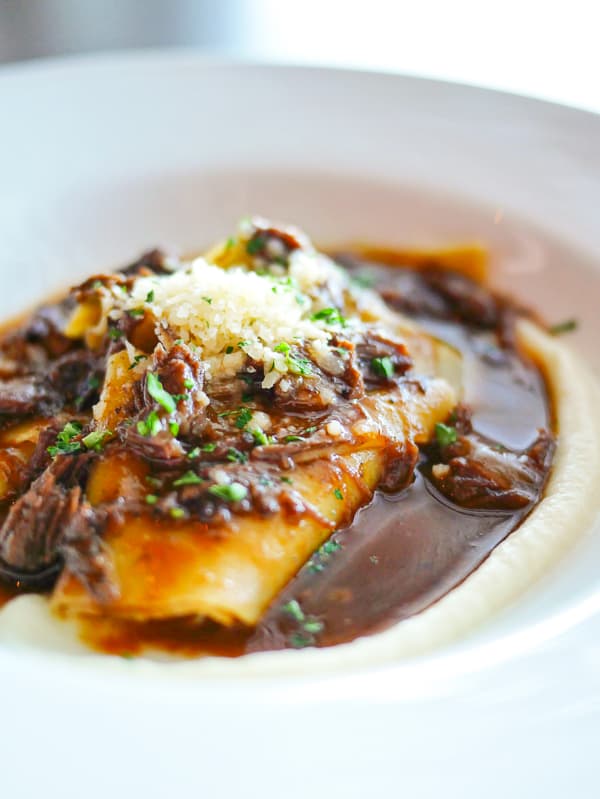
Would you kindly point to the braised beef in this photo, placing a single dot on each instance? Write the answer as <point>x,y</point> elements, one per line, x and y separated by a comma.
<point>30,534</point>
<point>181,373</point>
<point>155,262</point>
<point>475,473</point>
<point>381,360</point>
<point>21,396</point>
<point>77,377</point>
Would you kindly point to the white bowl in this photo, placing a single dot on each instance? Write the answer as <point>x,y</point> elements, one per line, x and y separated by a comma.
<point>104,157</point>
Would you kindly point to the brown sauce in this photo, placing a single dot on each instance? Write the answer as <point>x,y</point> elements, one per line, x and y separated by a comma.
<point>401,554</point>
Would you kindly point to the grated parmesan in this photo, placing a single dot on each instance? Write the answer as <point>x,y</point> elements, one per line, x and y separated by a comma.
<point>234,314</point>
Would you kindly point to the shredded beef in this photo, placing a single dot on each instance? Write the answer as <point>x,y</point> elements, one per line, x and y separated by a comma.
<point>151,262</point>
<point>77,376</point>
<point>182,375</point>
<point>371,349</point>
<point>31,531</point>
<point>474,473</point>
<point>21,396</point>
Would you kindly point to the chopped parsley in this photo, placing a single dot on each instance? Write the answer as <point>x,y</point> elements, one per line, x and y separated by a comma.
<point>95,440</point>
<point>188,383</point>
<point>364,281</point>
<point>229,350</point>
<point>383,367</point>
<point>298,366</point>
<point>210,447</point>
<point>208,300</point>
<point>188,479</point>
<point>564,327</point>
<point>299,641</point>
<point>244,415</point>
<point>194,453</point>
<point>235,456</point>
<point>151,499</point>
<point>158,393</point>
<point>319,560</point>
<point>115,333</point>
<point>338,494</point>
<point>177,513</point>
<point>313,626</point>
<point>230,492</point>
<point>136,360</point>
<point>293,609</point>
<point>259,437</point>
<point>230,243</point>
<point>255,245</point>
<point>150,296</point>
<point>150,426</point>
<point>445,435</point>
<point>287,480</point>
<point>329,315</point>
<point>136,313</point>
<point>282,347</point>
<point>94,382</point>
<point>65,445</point>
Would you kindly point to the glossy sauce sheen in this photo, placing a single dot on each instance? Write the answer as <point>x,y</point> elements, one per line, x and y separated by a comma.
<point>401,554</point>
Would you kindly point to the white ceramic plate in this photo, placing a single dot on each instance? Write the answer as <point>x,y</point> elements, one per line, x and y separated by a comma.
<point>101,158</point>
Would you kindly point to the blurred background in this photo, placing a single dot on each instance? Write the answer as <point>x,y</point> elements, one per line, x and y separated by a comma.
<point>547,48</point>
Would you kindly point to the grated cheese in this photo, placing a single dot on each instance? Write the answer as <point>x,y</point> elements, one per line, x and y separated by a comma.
<point>234,314</point>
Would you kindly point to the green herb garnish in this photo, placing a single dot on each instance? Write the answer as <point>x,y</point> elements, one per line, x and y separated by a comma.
<point>293,609</point>
<point>177,513</point>
<point>235,456</point>
<point>299,641</point>
<point>230,492</point>
<point>95,440</point>
<point>64,440</point>
<point>259,437</point>
<point>287,480</point>
<point>364,281</point>
<point>330,315</point>
<point>383,367</point>
<point>188,383</point>
<point>115,333</point>
<point>244,415</point>
<point>150,426</point>
<point>188,479</point>
<point>298,366</point>
<point>564,327</point>
<point>338,494</point>
<point>282,347</point>
<point>136,360</point>
<point>174,429</point>
<point>151,499</point>
<point>313,626</point>
<point>158,393</point>
<point>445,435</point>
<point>150,296</point>
<point>255,245</point>
<point>136,313</point>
